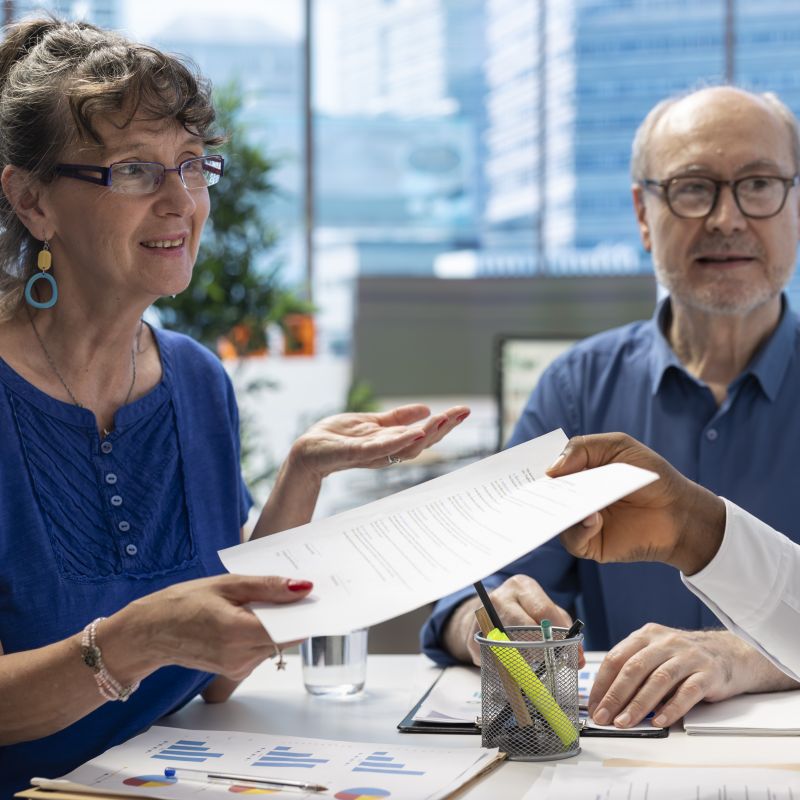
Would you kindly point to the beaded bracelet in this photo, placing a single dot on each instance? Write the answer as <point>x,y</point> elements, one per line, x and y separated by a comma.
<point>110,688</point>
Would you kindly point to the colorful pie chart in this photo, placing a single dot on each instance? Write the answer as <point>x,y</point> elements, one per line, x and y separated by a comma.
<point>361,793</point>
<point>237,789</point>
<point>150,780</point>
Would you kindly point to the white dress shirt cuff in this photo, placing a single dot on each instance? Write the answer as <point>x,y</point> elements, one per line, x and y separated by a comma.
<point>753,585</point>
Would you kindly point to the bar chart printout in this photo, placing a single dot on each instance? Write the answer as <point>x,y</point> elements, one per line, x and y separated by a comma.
<point>190,750</point>
<point>282,756</point>
<point>349,770</point>
<point>381,762</point>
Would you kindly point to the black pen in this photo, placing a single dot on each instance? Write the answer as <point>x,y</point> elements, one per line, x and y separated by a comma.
<point>574,629</point>
<point>487,604</point>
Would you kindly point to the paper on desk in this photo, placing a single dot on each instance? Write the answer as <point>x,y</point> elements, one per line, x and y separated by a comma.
<point>589,781</point>
<point>771,714</point>
<point>454,699</point>
<point>136,767</point>
<point>389,557</point>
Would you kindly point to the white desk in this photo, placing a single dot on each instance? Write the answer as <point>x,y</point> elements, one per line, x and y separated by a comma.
<point>276,702</point>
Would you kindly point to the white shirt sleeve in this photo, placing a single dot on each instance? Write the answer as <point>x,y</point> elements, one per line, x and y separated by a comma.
<point>753,585</point>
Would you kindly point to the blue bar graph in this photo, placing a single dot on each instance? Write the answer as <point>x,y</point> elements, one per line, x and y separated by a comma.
<point>282,756</point>
<point>380,762</point>
<point>187,750</point>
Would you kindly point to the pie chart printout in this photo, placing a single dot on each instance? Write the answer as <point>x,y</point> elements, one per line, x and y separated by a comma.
<point>150,780</point>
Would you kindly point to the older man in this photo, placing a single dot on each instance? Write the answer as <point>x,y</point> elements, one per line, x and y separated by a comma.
<point>711,383</point>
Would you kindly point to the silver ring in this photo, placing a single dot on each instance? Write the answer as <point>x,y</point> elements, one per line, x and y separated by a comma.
<point>393,460</point>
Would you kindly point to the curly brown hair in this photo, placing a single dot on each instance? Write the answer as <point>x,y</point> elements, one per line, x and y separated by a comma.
<point>56,78</point>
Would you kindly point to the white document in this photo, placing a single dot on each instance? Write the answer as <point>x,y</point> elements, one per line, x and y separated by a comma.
<point>586,678</point>
<point>398,553</point>
<point>349,770</point>
<point>455,697</point>
<point>769,714</point>
<point>593,781</point>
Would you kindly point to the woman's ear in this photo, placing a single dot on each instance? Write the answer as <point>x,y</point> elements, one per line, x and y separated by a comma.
<point>25,194</point>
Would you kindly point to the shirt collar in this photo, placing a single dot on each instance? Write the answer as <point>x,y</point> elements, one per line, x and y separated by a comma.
<point>768,366</point>
<point>663,356</point>
<point>770,363</point>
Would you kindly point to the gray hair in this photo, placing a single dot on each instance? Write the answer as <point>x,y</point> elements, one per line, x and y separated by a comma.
<point>641,141</point>
<point>56,78</point>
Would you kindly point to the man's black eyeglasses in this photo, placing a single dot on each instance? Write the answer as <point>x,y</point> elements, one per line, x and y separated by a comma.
<point>692,197</point>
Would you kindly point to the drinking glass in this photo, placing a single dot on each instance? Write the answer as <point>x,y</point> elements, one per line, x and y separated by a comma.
<point>335,665</point>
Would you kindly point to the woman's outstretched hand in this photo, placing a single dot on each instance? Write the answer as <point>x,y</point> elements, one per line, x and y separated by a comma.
<point>369,440</point>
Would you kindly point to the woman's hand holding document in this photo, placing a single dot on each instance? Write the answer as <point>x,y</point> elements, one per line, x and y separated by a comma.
<point>410,548</point>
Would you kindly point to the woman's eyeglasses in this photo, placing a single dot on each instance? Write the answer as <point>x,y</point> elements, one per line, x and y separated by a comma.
<point>145,177</point>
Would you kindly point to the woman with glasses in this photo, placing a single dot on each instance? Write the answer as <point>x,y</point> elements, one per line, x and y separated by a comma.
<point>119,475</point>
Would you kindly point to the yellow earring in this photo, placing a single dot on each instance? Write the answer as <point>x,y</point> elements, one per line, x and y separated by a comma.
<point>45,258</point>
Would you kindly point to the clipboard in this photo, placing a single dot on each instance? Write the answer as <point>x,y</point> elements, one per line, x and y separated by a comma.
<point>409,725</point>
<point>622,733</point>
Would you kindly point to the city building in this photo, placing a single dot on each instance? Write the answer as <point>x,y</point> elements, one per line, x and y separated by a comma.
<point>105,13</point>
<point>414,59</point>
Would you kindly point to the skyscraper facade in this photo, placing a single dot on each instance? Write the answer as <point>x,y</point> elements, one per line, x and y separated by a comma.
<point>411,58</point>
<point>415,59</point>
<point>105,13</point>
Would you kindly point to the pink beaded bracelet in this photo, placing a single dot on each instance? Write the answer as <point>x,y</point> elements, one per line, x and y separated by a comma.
<point>110,688</point>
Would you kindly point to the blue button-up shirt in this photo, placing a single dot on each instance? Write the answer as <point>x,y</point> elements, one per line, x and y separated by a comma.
<point>629,379</point>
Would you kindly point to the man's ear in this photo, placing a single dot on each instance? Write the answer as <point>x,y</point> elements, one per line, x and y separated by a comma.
<point>641,215</point>
<point>798,215</point>
<point>25,196</point>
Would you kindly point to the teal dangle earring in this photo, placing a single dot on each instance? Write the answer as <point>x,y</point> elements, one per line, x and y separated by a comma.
<point>44,261</point>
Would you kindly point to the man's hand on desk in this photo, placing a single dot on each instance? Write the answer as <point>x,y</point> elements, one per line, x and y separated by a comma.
<point>520,600</point>
<point>669,671</point>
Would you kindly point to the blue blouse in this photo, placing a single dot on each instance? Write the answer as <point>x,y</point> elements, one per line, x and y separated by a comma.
<point>629,379</point>
<point>88,525</point>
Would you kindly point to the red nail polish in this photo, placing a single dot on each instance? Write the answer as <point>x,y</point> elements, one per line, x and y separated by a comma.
<point>421,436</point>
<point>298,586</point>
<point>462,417</point>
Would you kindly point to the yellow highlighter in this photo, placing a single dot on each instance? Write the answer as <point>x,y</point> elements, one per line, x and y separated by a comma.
<point>534,689</point>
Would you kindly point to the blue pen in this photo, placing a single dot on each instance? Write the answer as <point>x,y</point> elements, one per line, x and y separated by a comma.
<point>201,776</point>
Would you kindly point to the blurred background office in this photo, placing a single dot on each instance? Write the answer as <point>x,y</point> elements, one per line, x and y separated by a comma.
<point>439,193</point>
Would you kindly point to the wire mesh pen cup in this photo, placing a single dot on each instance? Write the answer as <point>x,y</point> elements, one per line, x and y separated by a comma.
<point>529,694</point>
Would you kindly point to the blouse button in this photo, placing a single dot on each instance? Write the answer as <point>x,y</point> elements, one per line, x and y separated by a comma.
<point>124,526</point>
<point>111,478</point>
<point>131,549</point>
<point>116,500</point>
<point>106,447</point>
<point>711,434</point>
